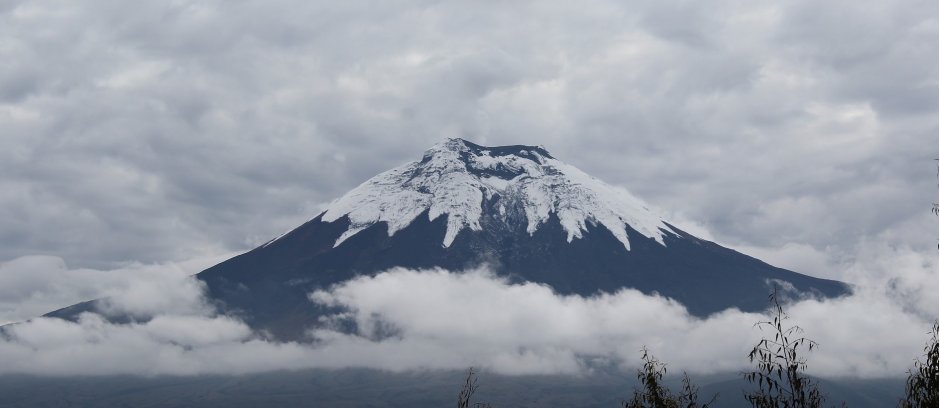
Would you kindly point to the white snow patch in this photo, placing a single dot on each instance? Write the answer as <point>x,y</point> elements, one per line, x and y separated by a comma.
<point>454,180</point>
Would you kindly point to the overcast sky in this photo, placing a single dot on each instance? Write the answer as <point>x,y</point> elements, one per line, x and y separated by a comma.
<point>162,131</point>
<point>169,134</point>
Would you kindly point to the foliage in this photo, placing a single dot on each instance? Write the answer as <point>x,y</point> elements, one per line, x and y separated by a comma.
<point>780,370</point>
<point>923,381</point>
<point>655,394</point>
<point>469,387</point>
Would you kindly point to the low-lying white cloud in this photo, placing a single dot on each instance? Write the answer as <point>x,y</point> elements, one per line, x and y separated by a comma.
<point>31,286</point>
<point>165,345</point>
<point>438,319</point>
<point>519,328</point>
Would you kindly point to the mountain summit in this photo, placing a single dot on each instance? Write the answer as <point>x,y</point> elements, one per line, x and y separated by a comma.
<point>525,184</point>
<point>516,209</point>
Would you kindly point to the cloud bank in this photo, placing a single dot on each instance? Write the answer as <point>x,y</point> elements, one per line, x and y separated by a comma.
<point>171,130</point>
<point>437,319</point>
<point>31,286</point>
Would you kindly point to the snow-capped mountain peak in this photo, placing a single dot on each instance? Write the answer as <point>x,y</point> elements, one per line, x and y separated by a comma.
<point>457,178</point>
<point>508,208</point>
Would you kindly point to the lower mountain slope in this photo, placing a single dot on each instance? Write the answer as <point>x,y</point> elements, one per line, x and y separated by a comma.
<point>269,285</point>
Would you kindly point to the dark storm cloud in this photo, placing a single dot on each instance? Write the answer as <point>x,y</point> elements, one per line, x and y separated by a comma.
<point>162,131</point>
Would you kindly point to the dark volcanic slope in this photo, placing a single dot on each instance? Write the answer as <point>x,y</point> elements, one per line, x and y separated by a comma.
<point>517,209</point>
<point>269,285</point>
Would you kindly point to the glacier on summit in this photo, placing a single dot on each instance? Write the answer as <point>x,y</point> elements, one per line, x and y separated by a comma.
<point>456,178</point>
<point>514,210</point>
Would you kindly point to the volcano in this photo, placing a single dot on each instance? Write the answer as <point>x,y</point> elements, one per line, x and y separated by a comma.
<point>516,210</point>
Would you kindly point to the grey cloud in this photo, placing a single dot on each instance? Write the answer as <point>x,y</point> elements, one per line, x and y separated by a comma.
<point>160,132</point>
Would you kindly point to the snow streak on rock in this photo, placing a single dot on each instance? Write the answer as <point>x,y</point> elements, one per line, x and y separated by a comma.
<point>457,178</point>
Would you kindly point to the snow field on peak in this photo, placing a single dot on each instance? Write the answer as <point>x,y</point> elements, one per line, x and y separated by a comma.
<point>452,179</point>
